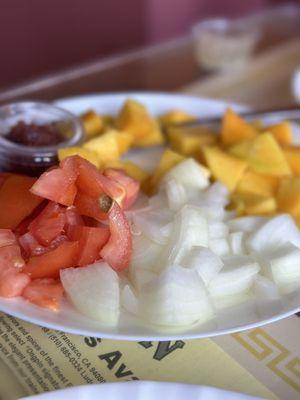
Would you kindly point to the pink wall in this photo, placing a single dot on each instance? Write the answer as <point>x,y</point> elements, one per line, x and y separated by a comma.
<point>41,36</point>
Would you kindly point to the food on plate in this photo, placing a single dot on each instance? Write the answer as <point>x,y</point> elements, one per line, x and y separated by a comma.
<point>208,234</point>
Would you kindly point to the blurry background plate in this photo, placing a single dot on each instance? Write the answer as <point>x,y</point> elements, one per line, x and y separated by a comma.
<point>229,320</point>
<point>141,391</point>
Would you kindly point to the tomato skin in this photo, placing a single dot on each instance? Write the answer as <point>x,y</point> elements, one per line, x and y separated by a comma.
<point>16,201</point>
<point>46,293</point>
<point>31,247</point>
<point>48,224</point>
<point>118,249</point>
<point>91,241</point>
<point>56,185</point>
<point>130,185</point>
<point>49,264</point>
<point>89,206</point>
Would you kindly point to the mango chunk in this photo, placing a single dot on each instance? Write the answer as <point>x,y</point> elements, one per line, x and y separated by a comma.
<point>175,117</point>
<point>252,182</point>
<point>188,141</point>
<point>105,146</point>
<point>282,132</point>
<point>155,137</point>
<point>292,155</point>
<point>224,167</point>
<point>168,160</point>
<point>130,168</point>
<point>93,124</point>
<point>125,141</point>
<point>288,196</point>
<point>135,119</point>
<point>235,130</point>
<point>251,204</point>
<point>264,155</point>
<point>89,155</point>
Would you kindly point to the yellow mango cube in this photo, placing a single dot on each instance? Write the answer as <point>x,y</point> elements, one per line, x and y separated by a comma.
<point>235,130</point>
<point>155,137</point>
<point>175,117</point>
<point>125,141</point>
<point>252,182</point>
<point>89,155</point>
<point>93,124</point>
<point>282,132</point>
<point>288,196</point>
<point>264,155</point>
<point>252,204</point>
<point>135,119</point>
<point>130,168</point>
<point>105,146</point>
<point>292,155</point>
<point>168,160</point>
<point>224,167</point>
<point>188,141</point>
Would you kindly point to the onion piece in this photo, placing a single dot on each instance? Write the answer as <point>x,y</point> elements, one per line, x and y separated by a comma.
<point>145,253</point>
<point>176,194</point>
<point>236,277</point>
<point>217,230</point>
<point>189,229</point>
<point>237,243</point>
<point>176,298</point>
<point>265,289</point>
<point>246,224</point>
<point>204,261</point>
<point>219,246</point>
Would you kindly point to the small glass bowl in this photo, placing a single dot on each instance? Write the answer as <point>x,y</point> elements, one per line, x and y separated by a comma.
<point>15,157</point>
<point>223,44</point>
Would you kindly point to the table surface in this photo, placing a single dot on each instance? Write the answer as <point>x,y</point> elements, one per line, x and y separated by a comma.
<point>163,67</point>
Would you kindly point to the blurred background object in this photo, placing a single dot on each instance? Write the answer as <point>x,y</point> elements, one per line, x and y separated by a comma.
<point>39,37</point>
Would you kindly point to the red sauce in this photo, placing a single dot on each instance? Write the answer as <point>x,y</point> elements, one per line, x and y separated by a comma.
<point>35,135</point>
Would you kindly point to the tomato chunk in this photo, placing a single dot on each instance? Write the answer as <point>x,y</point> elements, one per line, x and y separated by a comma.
<point>48,224</point>
<point>46,293</point>
<point>49,264</point>
<point>118,249</point>
<point>73,218</point>
<point>13,282</point>
<point>10,257</point>
<point>130,185</point>
<point>91,240</point>
<point>16,201</point>
<point>89,206</point>
<point>7,237</point>
<point>56,185</point>
<point>93,183</point>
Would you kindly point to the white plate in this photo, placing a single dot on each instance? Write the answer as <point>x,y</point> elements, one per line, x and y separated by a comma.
<point>231,320</point>
<point>142,390</point>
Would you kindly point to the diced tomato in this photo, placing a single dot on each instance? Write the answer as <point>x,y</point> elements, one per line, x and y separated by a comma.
<point>73,218</point>
<point>16,201</point>
<point>57,185</point>
<point>118,249</point>
<point>46,293</point>
<point>10,257</point>
<point>93,183</point>
<point>91,240</point>
<point>70,166</point>
<point>13,282</point>
<point>31,247</point>
<point>7,237</point>
<point>49,264</point>
<point>48,224</point>
<point>22,228</point>
<point>130,185</point>
<point>89,206</point>
<point>3,177</point>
